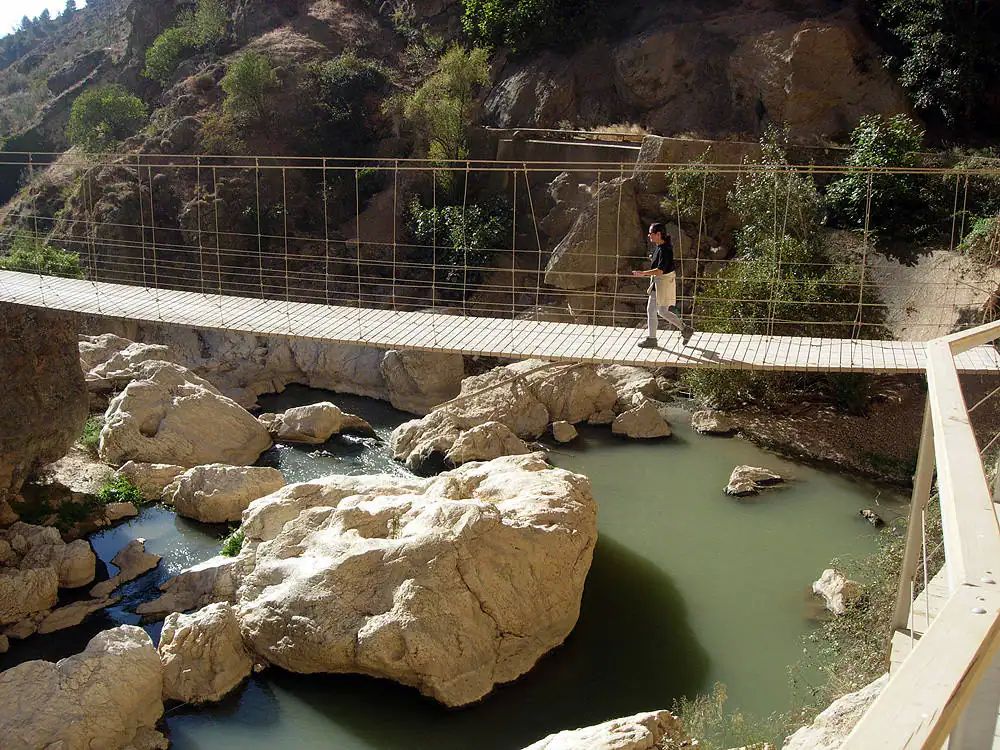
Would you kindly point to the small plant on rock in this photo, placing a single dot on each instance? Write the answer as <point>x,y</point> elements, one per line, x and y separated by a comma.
<point>91,434</point>
<point>119,490</point>
<point>233,543</point>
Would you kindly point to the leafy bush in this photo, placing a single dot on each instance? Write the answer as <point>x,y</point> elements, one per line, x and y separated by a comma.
<point>894,198</point>
<point>464,236</point>
<point>694,194</point>
<point>33,255</point>
<point>166,53</point>
<point>219,135</point>
<point>203,28</point>
<point>102,116</point>
<point>946,53</point>
<point>982,243</point>
<point>440,111</point>
<point>233,543</point>
<point>706,719</point>
<point>525,25</point>
<point>91,434</point>
<point>248,84</point>
<point>343,95</point>
<point>119,490</point>
<point>784,282</point>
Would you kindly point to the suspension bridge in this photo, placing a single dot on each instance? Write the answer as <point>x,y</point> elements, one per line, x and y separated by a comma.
<point>264,246</point>
<point>305,247</point>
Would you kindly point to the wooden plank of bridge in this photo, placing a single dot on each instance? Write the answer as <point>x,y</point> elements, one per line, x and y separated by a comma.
<point>516,339</point>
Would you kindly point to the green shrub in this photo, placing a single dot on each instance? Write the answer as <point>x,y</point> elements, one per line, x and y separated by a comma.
<point>440,111</point>
<point>31,254</point>
<point>103,116</point>
<point>946,53</point>
<point>693,193</point>
<point>343,94</point>
<point>894,198</point>
<point>208,23</point>
<point>526,25</point>
<point>465,236</point>
<point>248,84</point>
<point>233,543</point>
<point>203,28</point>
<point>91,434</point>
<point>119,490</point>
<point>784,282</point>
<point>706,719</point>
<point>166,53</point>
<point>982,243</point>
<point>219,135</point>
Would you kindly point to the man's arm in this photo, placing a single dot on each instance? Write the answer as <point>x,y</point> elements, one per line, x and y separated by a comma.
<point>651,272</point>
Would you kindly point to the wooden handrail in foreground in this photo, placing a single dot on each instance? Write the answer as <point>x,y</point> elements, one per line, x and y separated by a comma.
<point>924,702</point>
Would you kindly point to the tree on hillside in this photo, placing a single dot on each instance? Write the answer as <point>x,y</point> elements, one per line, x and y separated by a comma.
<point>945,52</point>
<point>70,8</point>
<point>102,116</point>
<point>44,18</point>
<point>441,110</point>
<point>248,84</point>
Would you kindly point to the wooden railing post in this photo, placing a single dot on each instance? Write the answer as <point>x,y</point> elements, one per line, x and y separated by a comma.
<point>922,481</point>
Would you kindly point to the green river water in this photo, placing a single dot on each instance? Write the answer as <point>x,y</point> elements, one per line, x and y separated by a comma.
<point>688,587</point>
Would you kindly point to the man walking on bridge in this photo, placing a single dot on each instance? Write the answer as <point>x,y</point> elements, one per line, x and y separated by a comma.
<point>662,287</point>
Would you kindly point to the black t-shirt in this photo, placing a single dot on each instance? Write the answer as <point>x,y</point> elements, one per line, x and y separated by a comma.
<point>662,257</point>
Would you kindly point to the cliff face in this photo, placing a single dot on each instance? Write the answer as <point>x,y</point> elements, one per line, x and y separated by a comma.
<point>44,404</point>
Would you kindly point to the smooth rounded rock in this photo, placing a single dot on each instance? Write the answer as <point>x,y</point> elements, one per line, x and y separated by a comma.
<point>217,493</point>
<point>203,655</point>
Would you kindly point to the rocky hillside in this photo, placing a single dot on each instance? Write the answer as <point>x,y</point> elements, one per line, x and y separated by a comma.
<point>718,69</point>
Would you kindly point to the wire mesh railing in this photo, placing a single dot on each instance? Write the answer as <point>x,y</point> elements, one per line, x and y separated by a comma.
<point>498,243</point>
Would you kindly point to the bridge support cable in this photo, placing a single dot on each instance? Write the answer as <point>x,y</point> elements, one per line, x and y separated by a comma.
<point>859,317</point>
<point>395,209</point>
<point>152,238</point>
<point>357,246</point>
<point>284,215</point>
<point>260,240</point>
<point>201,249</point>
<point>538,239</point>
<point>618,245</point>
<point>326,238</point>
<point>218,259</point>
<point>597,256</point>
<point>697,252</point>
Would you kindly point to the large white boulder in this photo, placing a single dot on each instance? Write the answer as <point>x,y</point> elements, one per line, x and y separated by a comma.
<point>418,381</point>
<point>104,697</point>
<point>216,493</point>
<point>834,724</point>
<point>170,415</point>
<point>452,585</point>
<point>203,655</point>
<point>313,423</point>
<point>837,590</point>
<point>484,443</point>
<point>640,732</point>
<point>571,393</point>
<point>643,421</point>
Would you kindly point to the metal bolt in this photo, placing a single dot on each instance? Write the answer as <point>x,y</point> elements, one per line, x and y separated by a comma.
<point>987,579</point>
<point>978,611</point>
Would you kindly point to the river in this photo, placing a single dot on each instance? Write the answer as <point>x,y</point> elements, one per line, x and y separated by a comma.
<point>688,587</point>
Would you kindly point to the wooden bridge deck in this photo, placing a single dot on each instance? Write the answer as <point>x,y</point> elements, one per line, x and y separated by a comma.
<point>494,337</point>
